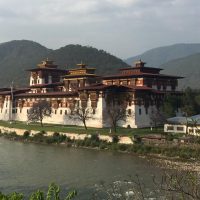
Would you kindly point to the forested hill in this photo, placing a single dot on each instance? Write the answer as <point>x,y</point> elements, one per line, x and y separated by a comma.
<point>188,67</point>
<point>16,57</point>
<point>19,55</point>
<point>158,56</point>
<point>71,55</point>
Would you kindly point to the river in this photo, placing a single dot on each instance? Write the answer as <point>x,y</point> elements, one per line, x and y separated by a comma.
<point>25,167</point>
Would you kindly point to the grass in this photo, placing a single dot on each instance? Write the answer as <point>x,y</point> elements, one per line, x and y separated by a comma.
<point>77,129</point>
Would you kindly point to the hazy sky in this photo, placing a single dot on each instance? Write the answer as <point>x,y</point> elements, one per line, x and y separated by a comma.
<point>121,27</point>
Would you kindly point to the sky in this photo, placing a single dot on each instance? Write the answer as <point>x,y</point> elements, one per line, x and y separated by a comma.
<point>123,28</point>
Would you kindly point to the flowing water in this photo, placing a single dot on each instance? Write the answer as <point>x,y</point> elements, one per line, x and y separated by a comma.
<point>25,167</point>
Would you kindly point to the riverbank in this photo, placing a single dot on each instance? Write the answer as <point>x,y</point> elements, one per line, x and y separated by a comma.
<point>171,156</point>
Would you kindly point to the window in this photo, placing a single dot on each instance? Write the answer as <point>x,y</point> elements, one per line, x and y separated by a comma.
<point>60,112</point>
<point>170,128</point>
<point>179,128</point>
<point>129,111</point>
<point>20,111</point>
<point>191,130</point>
<point>197,131</point>
<point>55,112</point>
<point>93,111</point>
<point>140,111</point>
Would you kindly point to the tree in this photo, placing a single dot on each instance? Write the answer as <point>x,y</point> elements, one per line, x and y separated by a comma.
<point>117,101</point>
<point>190,105</point>
<point>39,111</point>
<point>82,114</point>
<point>157,117</point>
<point>80,111</point>
<point>171,105</point>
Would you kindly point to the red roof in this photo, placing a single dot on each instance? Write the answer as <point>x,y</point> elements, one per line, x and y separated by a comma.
<point>148,68</point>
<point>47,94</point>
<point>15,91</point>
<point>47,85</point>
<point>47,68</point>
<point>135,75</point>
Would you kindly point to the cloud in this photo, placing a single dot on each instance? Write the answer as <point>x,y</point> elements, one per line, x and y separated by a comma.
<point>119,26</point>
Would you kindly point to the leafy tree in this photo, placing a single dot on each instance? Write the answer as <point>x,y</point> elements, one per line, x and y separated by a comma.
<point>171,105</point>
<point>39,111</point>
<point>191,102</point>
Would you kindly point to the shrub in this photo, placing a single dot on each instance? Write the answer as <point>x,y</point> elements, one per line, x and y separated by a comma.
<point>95,137</point>
<point>87,142</point>
<point>123,147</point>
<point>56,134</point>
<point>115,138</point>
<point>103,145</point>
<point>26,134</point>
<point>13,134</point>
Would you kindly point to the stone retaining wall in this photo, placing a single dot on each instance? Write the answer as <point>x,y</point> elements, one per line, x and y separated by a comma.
<point>76,136</point>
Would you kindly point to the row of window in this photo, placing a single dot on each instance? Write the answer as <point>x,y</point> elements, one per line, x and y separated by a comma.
<point>55,111</point>
<point>172,128</point>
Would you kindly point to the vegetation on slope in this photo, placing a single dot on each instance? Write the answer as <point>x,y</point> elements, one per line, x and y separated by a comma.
<point>18,56</point>
<point>188,67</point>
<point>71,55</point>
<point>158,56</point>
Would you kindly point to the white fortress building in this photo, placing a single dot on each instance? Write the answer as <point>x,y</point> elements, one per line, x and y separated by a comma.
<point>66,88</point>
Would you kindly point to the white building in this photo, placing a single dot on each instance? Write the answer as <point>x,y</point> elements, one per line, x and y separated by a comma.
<point>186,125</point>
<point>65,89</point>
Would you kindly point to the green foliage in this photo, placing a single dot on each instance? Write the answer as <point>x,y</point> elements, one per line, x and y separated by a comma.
<point>189,103</point>
<point>38,195</point>
<point>115,138</point>
<point>190,106</point>
<point>171,105</point>
<point>30,53</point>
<point>53,193</point>
<point>95,137</point>
<point>12,196</point>
<point>26,134</point>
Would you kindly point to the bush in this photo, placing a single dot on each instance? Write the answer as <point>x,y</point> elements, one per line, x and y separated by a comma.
<point>123,147</point>
<point>26,134</point>
<point>56,134</point>
<point>115,138</point>
<point>95,137</point>
<point>103,145</point>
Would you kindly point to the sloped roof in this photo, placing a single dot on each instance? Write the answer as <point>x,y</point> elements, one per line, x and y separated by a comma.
<point>184,120</point>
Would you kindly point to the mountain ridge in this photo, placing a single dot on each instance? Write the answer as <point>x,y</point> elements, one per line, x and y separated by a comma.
<point>19,55</point>
<point>160,55</point>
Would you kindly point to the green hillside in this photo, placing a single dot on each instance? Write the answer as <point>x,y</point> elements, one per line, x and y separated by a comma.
<point>20,55</point>
<point>16,57</point>
<point>70,55</point>
<point>158,56</point>
<point>189,67</point>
